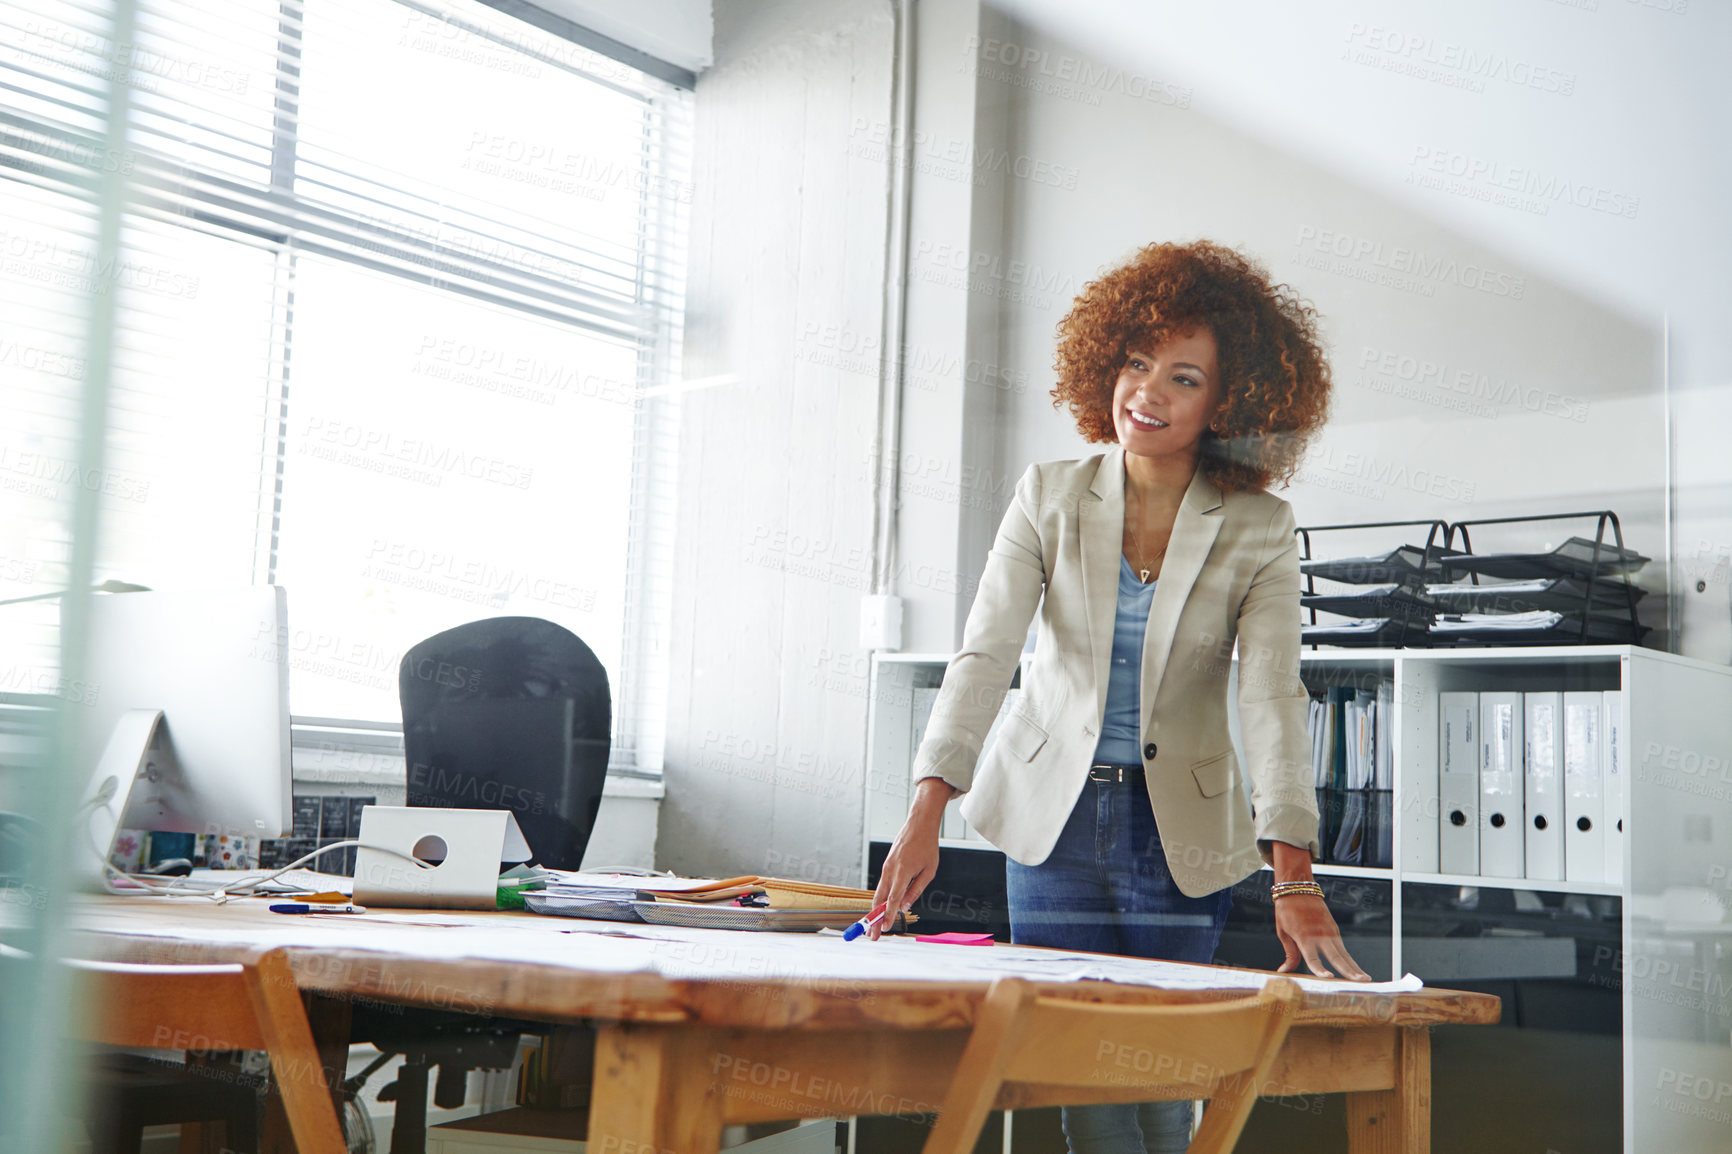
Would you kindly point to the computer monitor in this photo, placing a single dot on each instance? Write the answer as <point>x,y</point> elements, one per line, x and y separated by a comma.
<point>183,724</point>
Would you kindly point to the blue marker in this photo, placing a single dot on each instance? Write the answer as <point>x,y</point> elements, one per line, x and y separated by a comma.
<point>861,926</point>
<point>304,908</point>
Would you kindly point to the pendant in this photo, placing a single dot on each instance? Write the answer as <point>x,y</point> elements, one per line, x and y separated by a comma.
<point>1145,573</point>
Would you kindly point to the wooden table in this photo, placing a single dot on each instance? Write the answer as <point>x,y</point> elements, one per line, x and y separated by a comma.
<point>677,1058</point>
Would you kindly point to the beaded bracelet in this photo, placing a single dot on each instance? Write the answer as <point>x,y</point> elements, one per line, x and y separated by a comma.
<point>1283,889</point>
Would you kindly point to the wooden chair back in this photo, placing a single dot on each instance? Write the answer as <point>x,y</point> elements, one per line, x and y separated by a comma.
<point>1220,1050</point>
<point>253,1005</point>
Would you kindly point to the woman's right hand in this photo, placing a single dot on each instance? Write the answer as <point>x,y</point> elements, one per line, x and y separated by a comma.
<point>913,857</point>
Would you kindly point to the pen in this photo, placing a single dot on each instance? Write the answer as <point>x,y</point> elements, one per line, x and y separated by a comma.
<point>861,926</point>
<point>304,908</point>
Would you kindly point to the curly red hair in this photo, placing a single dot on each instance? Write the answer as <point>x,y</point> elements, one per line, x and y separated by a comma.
<point>1273,370</point>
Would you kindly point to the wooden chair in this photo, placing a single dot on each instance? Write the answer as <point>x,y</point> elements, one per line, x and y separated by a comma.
<point>252,1005</point>
<point>1222,1050</point>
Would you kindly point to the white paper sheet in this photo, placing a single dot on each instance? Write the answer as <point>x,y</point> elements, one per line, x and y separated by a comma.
<point>676,953</point>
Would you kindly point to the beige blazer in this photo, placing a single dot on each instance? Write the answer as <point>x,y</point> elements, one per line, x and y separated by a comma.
<point>1231,571</point>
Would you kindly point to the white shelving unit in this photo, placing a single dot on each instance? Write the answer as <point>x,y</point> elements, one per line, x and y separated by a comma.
<point>1675,960</point>
<point>891,743</point>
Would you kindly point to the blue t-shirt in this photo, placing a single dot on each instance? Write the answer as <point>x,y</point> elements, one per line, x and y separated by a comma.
<point>1121,729</point>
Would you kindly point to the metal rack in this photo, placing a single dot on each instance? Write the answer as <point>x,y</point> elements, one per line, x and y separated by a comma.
<point>1408,636</point>
<point>1602,516</point>
<point>1407,626</point>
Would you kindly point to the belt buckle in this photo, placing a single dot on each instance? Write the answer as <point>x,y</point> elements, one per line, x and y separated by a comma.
<point>1117,773</point>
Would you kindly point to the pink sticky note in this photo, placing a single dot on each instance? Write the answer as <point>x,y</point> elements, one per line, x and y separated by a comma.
<point>956,939</point>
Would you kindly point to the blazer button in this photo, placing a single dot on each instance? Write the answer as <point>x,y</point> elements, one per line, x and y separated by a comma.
<point>1149,752</point>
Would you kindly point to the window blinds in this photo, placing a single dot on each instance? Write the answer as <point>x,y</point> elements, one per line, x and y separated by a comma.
<point>398,307</point>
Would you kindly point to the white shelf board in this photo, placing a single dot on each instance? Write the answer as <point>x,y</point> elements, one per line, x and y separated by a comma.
<point>1321,869</point>
<point>1352,656</point>
<point>1317,868</point>
<point>1525,653</point>
<point>1595,889</point>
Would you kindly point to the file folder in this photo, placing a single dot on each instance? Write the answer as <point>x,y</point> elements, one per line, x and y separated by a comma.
<point>1420,812</point>
<point>1541,627</point>
<point>1458,782</point>
<point>1500,784</point>
<point>1351,837</point>
<point>1616,750</point>
<point>1543,729</point>
<point>1584,799</point>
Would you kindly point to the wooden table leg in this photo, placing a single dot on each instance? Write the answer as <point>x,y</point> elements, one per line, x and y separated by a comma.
<point>329,1020</point>
<point>1397,1120</point>
<point>655,1091</point>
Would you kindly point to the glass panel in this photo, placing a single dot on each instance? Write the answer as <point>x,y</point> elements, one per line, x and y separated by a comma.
<point>1678,967</point>
<point>514,156</point>
<point>195,355</point>
<point>446,461</point>
<point>44,273</point>
<point>1555,960</point>
<point>203,75</point>
<point>1361,908</point>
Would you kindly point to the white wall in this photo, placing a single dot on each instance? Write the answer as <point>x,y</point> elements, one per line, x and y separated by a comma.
<point>767,704</point>
<point>1625,101</point>
<point>1046,151</point>
<point>1469,382</point>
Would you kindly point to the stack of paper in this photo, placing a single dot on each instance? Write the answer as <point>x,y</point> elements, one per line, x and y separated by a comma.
<point>593,895</point>
<point>1559,594</point>
<point>1374,601</point>
<point>777,893</point>
<point>1362,632</point>
<point>618,897</point>
<point>1539,627</point>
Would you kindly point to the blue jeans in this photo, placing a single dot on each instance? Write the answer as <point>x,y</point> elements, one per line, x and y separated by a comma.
<point>1105,888</point>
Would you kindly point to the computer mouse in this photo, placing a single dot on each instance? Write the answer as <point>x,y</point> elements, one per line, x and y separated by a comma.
<point>172,867</point>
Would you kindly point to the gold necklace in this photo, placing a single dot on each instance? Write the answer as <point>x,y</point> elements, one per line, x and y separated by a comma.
<point>1137,540</point>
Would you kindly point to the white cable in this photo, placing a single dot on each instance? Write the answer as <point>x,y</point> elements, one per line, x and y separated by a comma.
<point>220,892</point>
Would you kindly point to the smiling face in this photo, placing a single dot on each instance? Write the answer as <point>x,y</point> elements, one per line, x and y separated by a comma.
<point>1166,395</point>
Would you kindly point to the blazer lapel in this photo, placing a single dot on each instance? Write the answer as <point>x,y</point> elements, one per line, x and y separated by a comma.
<point>1195,527</point>
<point>1101,525</point>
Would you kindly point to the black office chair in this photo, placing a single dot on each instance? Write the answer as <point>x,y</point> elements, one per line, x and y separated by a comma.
<point>509,713</point>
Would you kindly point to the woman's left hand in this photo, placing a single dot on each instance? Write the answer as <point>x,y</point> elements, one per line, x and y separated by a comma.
<point>1308,934</point>
<point>1304,924</point>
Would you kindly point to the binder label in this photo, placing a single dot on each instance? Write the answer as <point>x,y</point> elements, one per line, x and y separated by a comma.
<point>1457,736</point>
<point>1499,745</point>
<point>1579,740</point>
<point>1542,754</point>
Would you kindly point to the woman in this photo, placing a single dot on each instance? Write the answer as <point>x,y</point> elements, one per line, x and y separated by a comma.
<point>1113,787</point>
